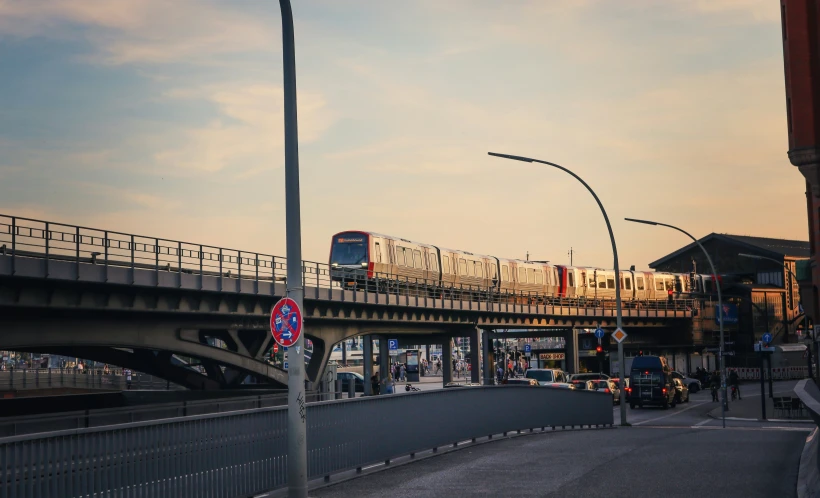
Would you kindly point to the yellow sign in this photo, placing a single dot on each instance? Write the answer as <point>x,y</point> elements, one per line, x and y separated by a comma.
<point>619,334</point>
<point>552,356</point>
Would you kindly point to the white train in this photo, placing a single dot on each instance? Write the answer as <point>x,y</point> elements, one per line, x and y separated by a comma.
<point>381,262</point>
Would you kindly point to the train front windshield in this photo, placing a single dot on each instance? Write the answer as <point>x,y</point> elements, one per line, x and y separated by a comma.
<point>349,251</point>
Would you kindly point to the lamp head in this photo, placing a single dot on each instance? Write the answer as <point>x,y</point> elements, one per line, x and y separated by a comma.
<point>645,222</point>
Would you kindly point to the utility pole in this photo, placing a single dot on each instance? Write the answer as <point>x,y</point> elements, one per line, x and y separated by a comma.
<point>570,256</point>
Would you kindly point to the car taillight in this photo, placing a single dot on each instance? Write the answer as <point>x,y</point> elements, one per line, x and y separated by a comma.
<point>607,390</point>
<point>664,390</point>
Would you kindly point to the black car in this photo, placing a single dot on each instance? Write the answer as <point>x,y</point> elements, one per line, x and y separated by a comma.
<point>347,377</point>
<point>650,383</point>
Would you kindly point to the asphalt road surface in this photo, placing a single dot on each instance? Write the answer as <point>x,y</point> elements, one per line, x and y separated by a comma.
<point>680,452</point>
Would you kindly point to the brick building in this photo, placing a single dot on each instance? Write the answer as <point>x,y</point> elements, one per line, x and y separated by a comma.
<point>801,58</point>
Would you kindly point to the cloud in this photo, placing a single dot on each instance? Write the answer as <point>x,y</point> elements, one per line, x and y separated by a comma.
<point>248,133</point>
<point>142,31</point>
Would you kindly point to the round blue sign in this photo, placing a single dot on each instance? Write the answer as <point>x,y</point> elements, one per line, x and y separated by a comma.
<point>599,333</point>
<point>767,337</point>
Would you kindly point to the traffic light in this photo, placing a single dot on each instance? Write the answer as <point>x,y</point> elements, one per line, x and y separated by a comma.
<point>599,349</point>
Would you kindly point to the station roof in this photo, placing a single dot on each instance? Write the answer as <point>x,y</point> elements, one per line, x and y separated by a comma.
<point>782,248</point>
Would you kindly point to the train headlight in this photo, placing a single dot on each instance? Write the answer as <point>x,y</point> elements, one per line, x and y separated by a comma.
<point>334,264</point>
<point>364,265</point>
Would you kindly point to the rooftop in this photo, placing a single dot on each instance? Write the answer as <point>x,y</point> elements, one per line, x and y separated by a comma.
<point>776,248</point>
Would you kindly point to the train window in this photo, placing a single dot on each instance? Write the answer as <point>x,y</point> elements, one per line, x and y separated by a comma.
<point>522,275</point>
<point>659,285</point>
<point>539,277</point>
<point>622,282</point>
<point>628,283</point>
<point>433,263</point>
<point>602,283</point>
<point>610,283</point>
<point>445,263</point>
<point>378,253</point>
<point>493,272</point>
<point>708,285</point>
<point>639,283</point>
<point>668,284</point>
<point>505,273</point>
<point>531,276</point>
<point>571,279</point>
<point>417,263</point>
<point>462,266</point>
<point>400,256</point>
<point>592,282</point>
<point>479,270</point>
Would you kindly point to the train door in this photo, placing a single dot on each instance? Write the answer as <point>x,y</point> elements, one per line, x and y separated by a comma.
<point>582,285</point>
<point>391,258</point>
<point>650,286</point>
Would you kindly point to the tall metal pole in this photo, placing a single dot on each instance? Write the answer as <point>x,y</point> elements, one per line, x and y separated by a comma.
<point>297,435</point>
<point>720,307</point>
<point>618,309</point>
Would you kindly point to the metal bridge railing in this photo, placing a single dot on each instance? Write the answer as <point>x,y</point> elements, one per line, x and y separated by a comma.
<point>42,378</point>
<point>244,453</point>
<point>25,237</point>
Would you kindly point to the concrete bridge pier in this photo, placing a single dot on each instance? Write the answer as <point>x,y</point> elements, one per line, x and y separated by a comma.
<point>488,363</point>
<point>475,357</point>
<point>571,340</point>
<point>384,358</point>
<point>367,354</point>
<point>447,361</point>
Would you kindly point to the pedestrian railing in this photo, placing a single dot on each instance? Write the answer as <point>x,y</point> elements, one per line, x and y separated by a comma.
<point>244,453</point>
<point>20,379</point>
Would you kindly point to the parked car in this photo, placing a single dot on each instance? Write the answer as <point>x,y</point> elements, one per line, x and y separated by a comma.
<point>650,383</point>
<point>608,387</point>
<point>546,376</point>
<point>348,377</point>
<point>519,381</point>
<point>589,376</point>
<point>582,385</point>
<point>693,384</point>
<point>617,381</point>
<point>682,392</point>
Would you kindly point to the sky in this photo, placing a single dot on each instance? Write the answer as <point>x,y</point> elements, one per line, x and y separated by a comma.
<point>164,118</point>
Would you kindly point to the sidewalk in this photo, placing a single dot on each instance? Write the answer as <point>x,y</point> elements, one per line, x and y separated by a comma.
<point>749,407</point>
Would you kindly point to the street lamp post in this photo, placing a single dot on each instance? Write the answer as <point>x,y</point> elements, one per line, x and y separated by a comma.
<point>297,434</point>
<point>618,309</point>
<point>805,315</point>
<point>720,307</point>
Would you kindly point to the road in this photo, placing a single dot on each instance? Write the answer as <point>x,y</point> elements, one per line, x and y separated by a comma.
<point>680,452</point>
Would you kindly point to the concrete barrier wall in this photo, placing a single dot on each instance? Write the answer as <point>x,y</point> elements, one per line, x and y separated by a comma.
<point>244,453</point>
<point>808,479</point>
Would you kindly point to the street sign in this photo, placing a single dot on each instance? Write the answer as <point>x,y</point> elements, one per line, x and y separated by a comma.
<point>286,322</point>
<point>527,348</point>
<point>552,356</point>
<point>285,356</point>
<point>393,344</point>
<point>767,337</point>
<point>619,334</point>
<point>286,365</point>
<point>599,333</point>
<point>275,348</point>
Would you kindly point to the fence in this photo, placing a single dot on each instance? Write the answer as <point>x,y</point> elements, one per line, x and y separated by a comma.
<point>245,452</point>
<point>18,379</point>
<point>779,373</point>
<point>188,263</point>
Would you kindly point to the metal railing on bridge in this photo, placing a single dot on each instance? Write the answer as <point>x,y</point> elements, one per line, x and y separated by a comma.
<point>25,237</point>
<point>45,378</point>
<point>244,453</point>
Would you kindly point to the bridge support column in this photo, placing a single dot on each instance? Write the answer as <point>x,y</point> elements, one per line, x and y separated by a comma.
<point>367,356</point>
<point>447,361</point>
<point>475,357</point>
<point>384,358</point>
<point>486,351</point>
<point>571,340</point>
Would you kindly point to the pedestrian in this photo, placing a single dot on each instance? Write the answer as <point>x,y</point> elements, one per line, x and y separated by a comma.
<point>389,385</point>
<point>734,381</point>
<point>127,373</point>
<point>669,295</point>
<point>374,384</point>
<point>714,384</point>
<point>403,372</point>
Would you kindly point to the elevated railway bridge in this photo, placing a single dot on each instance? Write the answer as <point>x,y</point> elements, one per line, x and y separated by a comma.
<point>143,302</point>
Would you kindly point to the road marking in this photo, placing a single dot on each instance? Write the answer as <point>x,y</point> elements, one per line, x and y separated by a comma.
<point>671,414</point>
<point>372,466</point>
<point>702,423</point>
